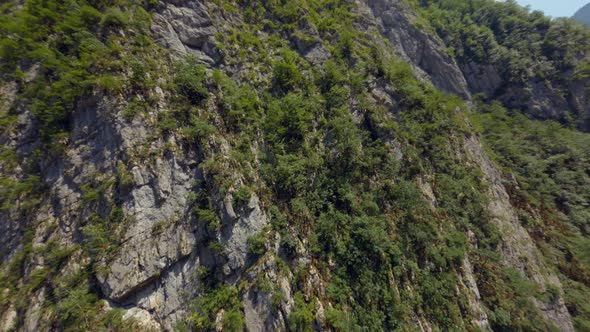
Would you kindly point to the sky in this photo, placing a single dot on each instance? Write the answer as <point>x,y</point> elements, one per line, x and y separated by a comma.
<point>555,8</point>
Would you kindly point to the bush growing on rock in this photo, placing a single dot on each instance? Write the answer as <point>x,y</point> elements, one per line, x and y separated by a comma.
<point>190,81</point>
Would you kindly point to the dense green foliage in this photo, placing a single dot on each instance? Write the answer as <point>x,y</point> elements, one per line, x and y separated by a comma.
<point>77,46</point>
<point>301,318</point>
<point>525,44</point>
<point>380,198</point>
<point>206,308</point>
<point>525,48</point>
<point>189,81</point>
<point>337,182</point>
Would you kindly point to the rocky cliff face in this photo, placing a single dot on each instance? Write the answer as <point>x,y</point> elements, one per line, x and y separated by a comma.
<point>148,188</point>
<point>583,15</point>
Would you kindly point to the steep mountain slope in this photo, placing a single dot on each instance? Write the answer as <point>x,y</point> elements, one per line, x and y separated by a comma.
<point>583,15</point>
<point>292,166</point>
<point>522,59</point>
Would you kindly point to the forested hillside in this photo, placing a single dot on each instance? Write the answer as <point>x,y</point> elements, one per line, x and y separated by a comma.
<point>293,165</point>
<point>524,59</point>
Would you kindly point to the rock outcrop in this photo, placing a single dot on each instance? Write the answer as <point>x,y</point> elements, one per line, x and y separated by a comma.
<point>424,51</point>
<point>155,273</point>
<point>518,249</point>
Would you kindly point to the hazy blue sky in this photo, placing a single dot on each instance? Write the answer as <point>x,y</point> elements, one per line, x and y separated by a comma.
<point>555,7</point>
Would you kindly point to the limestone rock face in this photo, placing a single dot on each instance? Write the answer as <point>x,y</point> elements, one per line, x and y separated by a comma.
<point>159,235</point>
<point>144,259</point>
<point>468,280</point>
<point>8,319</point>
<point>187,28</point>
<point>262,313</point>
<point>156,271</point>
<point>143,320</point>
<point>235,237</point>
<point>424,51</point>
<point>519,250</point>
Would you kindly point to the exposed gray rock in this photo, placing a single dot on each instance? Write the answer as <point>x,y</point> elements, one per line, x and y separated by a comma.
<point>219,321</point>
<point>234,236</point>
<point>167,297</point>
<point>187,28</point>
<point>143,258</point>
<point>478,310</point>
<point>260,312</point>
<point>427,191</point>
<point>518,250</point>
<point>8,319</point>
<point>482,78</point>
<point>142,319</point>
<point>317,54</point>
<point>166,35</point>
<point>33,316</point>
<point>23,138</point>
<point>425,52</point>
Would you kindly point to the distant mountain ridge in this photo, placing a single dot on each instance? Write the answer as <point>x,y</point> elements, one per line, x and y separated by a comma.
<point>583,15</point>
